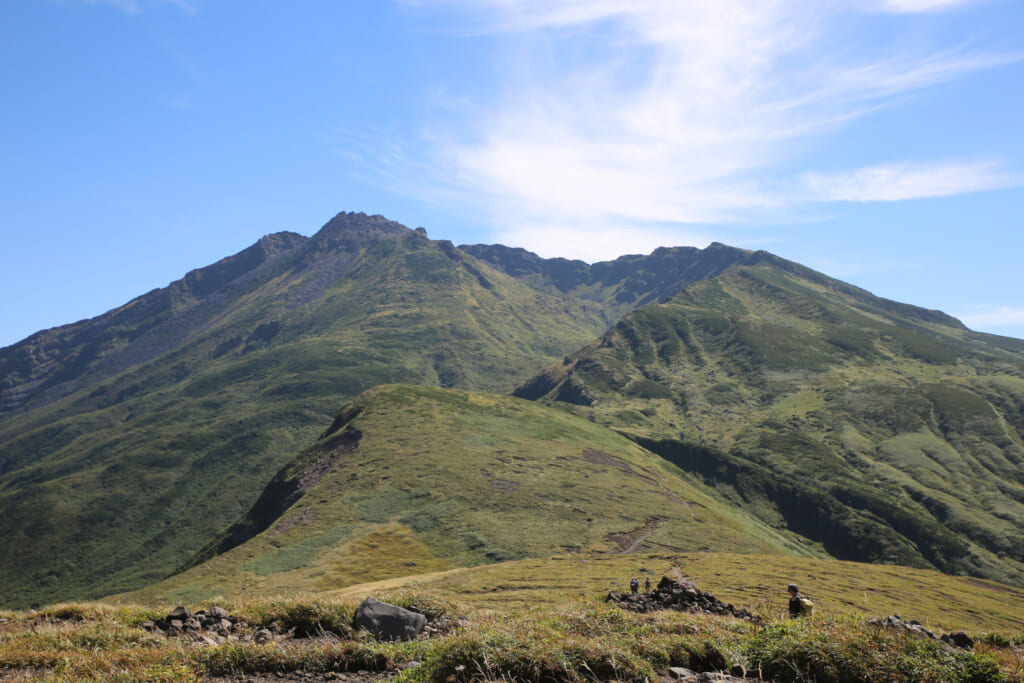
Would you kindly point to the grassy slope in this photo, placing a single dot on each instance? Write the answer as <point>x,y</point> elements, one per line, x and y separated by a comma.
<point>753,582</point>
<point>890,434</point>
<point>543,620</point>
<point>115,484</point>
<point>446,478</point>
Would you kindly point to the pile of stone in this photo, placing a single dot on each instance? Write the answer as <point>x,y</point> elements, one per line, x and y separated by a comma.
<point>680,674</point>
<point>915,628</point>
<point>214,624</point>
<point>681,596</point>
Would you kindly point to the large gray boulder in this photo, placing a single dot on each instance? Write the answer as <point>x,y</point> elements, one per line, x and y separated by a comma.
<point>389,622</point>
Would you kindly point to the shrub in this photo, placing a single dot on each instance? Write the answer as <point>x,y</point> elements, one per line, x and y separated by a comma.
<point>852,651</point>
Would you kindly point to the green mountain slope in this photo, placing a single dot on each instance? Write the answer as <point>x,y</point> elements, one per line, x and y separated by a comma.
<point>131,439</point>
<point>410,480</point>
<point>620,285</point>
<point>880,431</point>
<point>885,432</point>
<point>128,440</point>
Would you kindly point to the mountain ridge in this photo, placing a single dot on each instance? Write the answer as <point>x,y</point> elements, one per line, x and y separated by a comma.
<point>780,388</point>
<point>131,439</point>
<point>155,427</point>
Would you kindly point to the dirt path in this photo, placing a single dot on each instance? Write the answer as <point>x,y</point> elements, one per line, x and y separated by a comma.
<point>633,541</point>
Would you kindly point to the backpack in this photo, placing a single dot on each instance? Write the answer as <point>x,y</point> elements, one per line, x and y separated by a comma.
<point>806,607</point>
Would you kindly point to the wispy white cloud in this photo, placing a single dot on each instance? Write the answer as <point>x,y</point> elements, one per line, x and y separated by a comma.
<point>593,242</point>
<point>680,113</point>
<point>895,182</point>
<point>913,6</point>
<point>991,317</point>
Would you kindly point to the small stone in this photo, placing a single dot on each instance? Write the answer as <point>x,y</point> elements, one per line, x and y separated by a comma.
<point>180,612</point>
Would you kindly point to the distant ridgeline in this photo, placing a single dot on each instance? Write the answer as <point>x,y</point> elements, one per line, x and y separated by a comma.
<point>765,408</point>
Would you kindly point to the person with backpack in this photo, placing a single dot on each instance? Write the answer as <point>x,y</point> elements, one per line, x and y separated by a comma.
<point>634,585</point>
<point>799,606</point>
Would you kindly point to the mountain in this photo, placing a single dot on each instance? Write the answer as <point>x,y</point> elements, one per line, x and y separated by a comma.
<point>620,285</point>
<point>129,440</point>
<point>884,432</point>
<point>793,412</point>
<point>409,480</point>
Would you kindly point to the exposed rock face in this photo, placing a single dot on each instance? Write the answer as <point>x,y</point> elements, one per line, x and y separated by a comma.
<point>388,622</point>
<point>681,596</point>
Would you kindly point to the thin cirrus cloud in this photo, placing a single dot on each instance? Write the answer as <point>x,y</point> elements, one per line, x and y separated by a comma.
<point>682,112</point>
<point>896,182</point>
<point>911,6</point>
<point>988,317</point>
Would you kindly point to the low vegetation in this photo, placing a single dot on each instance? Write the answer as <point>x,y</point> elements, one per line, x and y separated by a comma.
<point>884,433</point>
<point>546,621</point>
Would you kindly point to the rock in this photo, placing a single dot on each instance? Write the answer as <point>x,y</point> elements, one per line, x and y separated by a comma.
<point>263,636</point>
<point>389,622</point>
<point>684,675</point>
<point>958,639</point>
<point>180,612</point>
<point>218,613</point>
<point>204,639</point>
<point>682,596</point>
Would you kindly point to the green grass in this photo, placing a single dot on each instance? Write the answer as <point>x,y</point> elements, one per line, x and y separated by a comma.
<point>883,432</point>
<point>546,620</point>
<point>149,460</point>
<point>879,430</point>
<point>447,478</point>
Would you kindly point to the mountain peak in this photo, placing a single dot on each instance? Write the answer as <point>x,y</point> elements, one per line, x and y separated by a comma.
<point>359,223</point>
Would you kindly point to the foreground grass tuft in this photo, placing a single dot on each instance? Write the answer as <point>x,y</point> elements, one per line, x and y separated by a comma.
<point>844,649</point>
<point>579,640</point>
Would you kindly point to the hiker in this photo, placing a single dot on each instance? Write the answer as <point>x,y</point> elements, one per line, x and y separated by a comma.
<point>647,585</point>
<point>634,586</point>
<point>799,606</point>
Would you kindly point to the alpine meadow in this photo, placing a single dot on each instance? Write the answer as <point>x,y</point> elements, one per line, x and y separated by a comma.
<point>368,410</point>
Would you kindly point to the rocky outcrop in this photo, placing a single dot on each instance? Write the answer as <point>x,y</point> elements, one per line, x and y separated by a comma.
<point>682,596</point>
<point>389,622</point>
<point>915,628</point>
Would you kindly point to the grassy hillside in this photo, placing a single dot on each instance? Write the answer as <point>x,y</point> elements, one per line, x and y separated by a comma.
<point>804,408</point>
<point>415,479</point>
<point>117,466</point>
<point>885,432</point>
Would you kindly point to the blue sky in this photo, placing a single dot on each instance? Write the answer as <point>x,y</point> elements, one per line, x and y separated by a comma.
<point>878,141</point>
